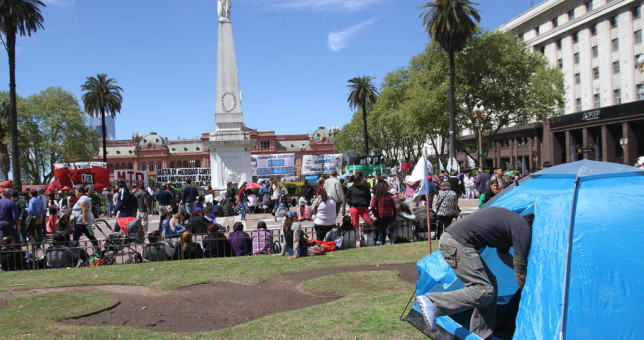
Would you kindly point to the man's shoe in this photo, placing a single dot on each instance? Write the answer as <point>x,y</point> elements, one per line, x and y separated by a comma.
<point>427,309</point>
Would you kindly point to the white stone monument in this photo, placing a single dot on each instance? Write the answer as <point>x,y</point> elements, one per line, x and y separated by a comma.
<point>229,145</point>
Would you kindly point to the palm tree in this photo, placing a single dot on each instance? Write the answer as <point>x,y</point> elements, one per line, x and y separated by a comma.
<point>102,96</point>
<point>17,17</point>
<point>450,24</point>
<point>362,93</point>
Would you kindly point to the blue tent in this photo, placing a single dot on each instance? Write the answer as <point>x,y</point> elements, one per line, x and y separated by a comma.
<point>585,275</point>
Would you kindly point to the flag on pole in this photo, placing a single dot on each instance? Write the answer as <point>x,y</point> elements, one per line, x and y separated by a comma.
<point>430,168</point>
<point>440,163</point>
<point>471,162</point>
<point>420,173</point>
<point>452,165</point>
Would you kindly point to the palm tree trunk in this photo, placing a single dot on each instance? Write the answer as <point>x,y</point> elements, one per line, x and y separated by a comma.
<point>13,110</point>
<point>452,107</point>
<point>104,136</point>
<point>366,135</point>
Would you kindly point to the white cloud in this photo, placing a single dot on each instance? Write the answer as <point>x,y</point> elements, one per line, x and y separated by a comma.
<point>345,5</point>
<point>340,40</point>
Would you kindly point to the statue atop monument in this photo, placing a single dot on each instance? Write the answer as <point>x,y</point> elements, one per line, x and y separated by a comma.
<point>223,9</point>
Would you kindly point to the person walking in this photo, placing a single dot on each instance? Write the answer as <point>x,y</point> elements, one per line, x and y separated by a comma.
<point>189,195</point>
<point>494,227</point>
<point>35,220</point>
<point>481,181</point>
<point>109,201</point>
<point>384,209</point>
<point>243,200</point>
<point>83,217</point>
<point>446,207</point>
<point>334,189</point>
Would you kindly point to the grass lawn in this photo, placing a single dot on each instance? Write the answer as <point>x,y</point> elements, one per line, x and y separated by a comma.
<point>370,307</point>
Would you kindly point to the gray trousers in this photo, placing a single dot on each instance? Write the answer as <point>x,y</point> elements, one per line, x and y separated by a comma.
<point>479,293</point>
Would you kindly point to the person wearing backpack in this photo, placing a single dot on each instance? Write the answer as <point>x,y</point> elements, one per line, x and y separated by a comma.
<point>126,202</point>
<point>308,190</point>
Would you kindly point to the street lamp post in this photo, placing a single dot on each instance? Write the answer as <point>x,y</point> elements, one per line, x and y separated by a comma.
<point>478,113</point>
<point>624,143</point>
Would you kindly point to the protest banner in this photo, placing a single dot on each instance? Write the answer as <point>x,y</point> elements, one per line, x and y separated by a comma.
<point>132,177</point>
<point>88,174</point>
<point>369,165</point>
<point>273,165</point>
<point>200,176</point>
<point>322,164</point>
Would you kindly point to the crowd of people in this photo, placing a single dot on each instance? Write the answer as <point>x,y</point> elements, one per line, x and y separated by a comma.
<point>380,209</point>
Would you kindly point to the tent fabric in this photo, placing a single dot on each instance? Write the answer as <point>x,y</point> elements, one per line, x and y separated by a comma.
<point>606,274</point>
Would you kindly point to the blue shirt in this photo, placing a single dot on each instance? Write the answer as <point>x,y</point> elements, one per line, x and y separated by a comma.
<point>8,210</point>
<point>167,231</point>
<point>164,197</point>
<point>36,207</point>
<point>189,193</point>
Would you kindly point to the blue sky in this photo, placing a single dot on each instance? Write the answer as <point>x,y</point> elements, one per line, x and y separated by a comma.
<point>294,56</point>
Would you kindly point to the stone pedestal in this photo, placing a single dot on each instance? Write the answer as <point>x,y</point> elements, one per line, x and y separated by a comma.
<point>230,158</point>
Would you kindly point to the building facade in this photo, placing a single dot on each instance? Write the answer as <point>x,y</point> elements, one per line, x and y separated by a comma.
<point>154,152</point>
<point>596,44</point>
<point>110,126</point>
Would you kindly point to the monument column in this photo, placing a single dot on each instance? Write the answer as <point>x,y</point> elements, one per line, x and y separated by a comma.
<point>229,144</point>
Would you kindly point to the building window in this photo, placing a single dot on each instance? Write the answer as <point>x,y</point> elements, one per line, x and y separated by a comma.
<point>593,30</point>
<point>577,78</point>
<point>117,166</point>
<point>555,22</point>
<point>613,22</point>
<point>130,166</point>
<point>597,100</point>
<point>640,91</point>
<point>589,6</point>
<point>575,37</point>
<point>636,58</point>
<point>596,73</point>
<point>615,44</point>
<point>616,66</point>
<point>576,57</point>
<point>144,166</point>
<point>618,96</point>
<point>637,12</point>
<point>558,43</point>
<point>638,36</point>
<point>159,165</point>
<point>536,30</point>
<point>542,49</point>
<point>595,51</point>
<point>571,14</point>
<point>151,167</point>
<point>265,144</point>
<point>560,63</point>
<point>185,164</point>
<point>521,37</point>
<point>197,164</point>
<point>578,103</point>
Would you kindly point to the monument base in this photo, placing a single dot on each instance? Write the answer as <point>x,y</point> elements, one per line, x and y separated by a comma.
<point>230,157</point>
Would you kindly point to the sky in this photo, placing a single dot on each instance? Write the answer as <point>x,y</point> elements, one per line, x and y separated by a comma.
<point>294,56</point>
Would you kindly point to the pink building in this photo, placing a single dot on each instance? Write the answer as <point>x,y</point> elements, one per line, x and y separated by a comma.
<point>156,152</point>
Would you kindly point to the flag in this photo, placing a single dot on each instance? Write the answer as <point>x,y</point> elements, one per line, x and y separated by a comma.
<point>430,168</point>
<point>508,166</point>
<point>471,162</point>
<point>452,166</point>
<point>420,173</point>
<point>440,163</point>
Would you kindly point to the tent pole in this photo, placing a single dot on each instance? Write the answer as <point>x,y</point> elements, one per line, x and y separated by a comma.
<point>429,217</point>
<point>564,308</point>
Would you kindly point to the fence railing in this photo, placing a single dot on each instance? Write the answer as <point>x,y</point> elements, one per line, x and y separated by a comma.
<point>115,249</point>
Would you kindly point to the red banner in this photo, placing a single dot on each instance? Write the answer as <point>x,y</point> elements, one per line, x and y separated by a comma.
<point>92,174</point>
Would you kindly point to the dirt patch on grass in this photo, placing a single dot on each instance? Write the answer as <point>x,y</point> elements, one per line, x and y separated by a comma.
<point>206,307</point>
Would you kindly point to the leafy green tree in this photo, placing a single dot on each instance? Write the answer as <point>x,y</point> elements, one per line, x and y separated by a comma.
<point>52,130</point>
<point>17,17</point>
<point>362,93</point>
<point>450,23</point>
<point>515,85</point>
<point>103,96</point>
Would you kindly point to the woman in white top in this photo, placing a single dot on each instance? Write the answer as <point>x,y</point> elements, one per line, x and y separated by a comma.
<point>469,186</point>
<point>83,217</point>
<point>324,211</point>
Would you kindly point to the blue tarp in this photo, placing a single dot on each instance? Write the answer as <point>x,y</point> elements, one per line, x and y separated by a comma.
<point>606,271</point>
